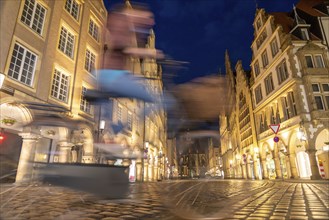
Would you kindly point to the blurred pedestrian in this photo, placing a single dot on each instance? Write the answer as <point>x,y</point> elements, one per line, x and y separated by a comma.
<point>127,26</point>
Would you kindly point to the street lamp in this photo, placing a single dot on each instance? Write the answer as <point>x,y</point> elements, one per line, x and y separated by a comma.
<point>300,133</point>
<point>101,126</point>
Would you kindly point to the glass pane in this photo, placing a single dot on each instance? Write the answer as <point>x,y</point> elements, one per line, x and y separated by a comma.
<point>309,61</point>
<point>319,103</point>
<point>325,87</point>
<point>315,88</point>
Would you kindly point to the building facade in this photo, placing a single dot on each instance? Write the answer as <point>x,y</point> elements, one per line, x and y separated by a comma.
<point>50,54</point>
<point>49,50</point>
<point>288,89</point>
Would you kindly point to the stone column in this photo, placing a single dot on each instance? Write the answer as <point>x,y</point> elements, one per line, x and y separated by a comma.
<point>25,164</point>
<point>265,170</point>
<point>313,163</point>
<point>64,153</point>
<point>145,174</point>
<point>293,168</point>
<point>278,168</point>
<point>139,170</point>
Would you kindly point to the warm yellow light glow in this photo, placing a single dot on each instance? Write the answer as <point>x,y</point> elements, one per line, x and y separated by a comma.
<point>231,161</point>
<point>238,156</point>
<point>256,149</point>
<point>285,135</point>
<point>2,79</point>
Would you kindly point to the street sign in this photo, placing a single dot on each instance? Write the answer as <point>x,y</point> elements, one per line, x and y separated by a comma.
<point>275,128</point>
<point>276,139</point>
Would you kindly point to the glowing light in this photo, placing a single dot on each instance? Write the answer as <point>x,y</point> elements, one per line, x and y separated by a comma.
<point>256,149</point>
<point>102,125</point>
<point>2,79</point>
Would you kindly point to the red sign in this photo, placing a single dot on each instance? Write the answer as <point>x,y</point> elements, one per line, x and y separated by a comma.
<point>275,128</point>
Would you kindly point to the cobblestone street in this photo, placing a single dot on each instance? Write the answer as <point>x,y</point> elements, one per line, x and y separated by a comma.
<point>197,199</point>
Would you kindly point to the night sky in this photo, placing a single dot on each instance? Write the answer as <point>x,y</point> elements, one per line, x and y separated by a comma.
<point>199,31</point>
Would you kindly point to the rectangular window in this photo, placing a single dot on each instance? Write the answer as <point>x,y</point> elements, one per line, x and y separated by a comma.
<point>292,103</point>
<point>318,61</point>
<point>282,72</point>
<point>90,61</point>
<point>256,68</point>
<point>327,101</point>
<point>309,61</point>
<point>119,113</point>
<point>22,65</point>
<point>304,34</point>
<point>66,42</point>
<point>315,87</point>
<point>264,59</point>
<point>277,114</point>
<point>60,86</point>
<point>72,7</point>
<point>258,94</point>
<point>274,47</point>
<point>261,124</point>
<point>273,119</point>
<point>130,121</point>
<point>84,104</point>
<point>269,84</point>
<point>33,15</point>
<point>325,87</point>
<point>319,102</point>
<point>286,107</point>
<point>93,29</point>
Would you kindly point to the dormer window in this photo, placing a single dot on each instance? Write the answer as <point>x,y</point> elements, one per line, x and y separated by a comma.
<point>304,34</point>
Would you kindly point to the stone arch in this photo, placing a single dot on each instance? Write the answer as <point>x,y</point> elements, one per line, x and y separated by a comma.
<point>295,145</point>
<point>322,140</point>
<point>18,114</point>
<point>264,149</point>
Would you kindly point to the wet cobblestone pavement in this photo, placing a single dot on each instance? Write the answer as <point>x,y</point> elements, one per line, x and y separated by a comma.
<point>198,199</point>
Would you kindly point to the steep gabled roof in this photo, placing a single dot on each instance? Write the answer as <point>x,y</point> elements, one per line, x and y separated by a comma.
<point>309,7</point>
<point>286,20</point>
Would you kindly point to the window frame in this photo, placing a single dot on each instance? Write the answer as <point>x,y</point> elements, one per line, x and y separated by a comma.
<point>89,61</point>
<point>85,106</point>
<point>282,72</point>
<point>269,85</point>
<point>22,65</point>
<point>70,11</point>
<point>309,61</point>
<point>93,29</point>
<point>59,86</point>
<point>130,121</point>
<point>316,103</point>
<point>258,94</point>
<point>33,17</point>
<point>256,68</point>
<point>64,40</point>
<point>274,47</point>
<point>119,112</point>
<point>265,58</point>
<point>321,61</point>
<point>304,34</point>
